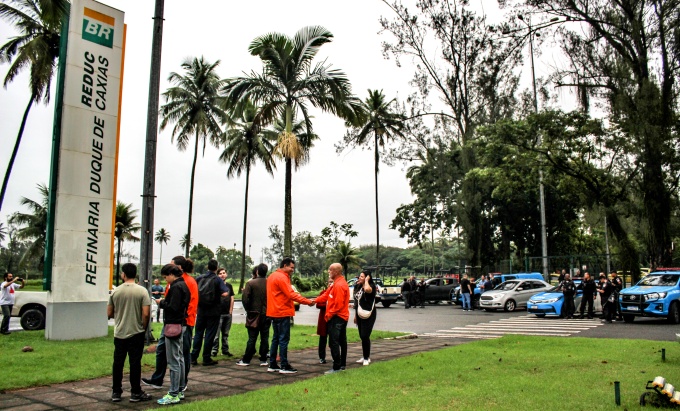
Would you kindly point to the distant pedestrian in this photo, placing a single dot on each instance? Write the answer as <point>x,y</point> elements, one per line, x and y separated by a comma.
<point>255,304</point>
<point>568,291</point>
<point>480,284</point>
<point>157,292</point>
<point>561,276</point>
<point>7,298</point>
<point>618,286</point>
<point>322,327</point>
<point>406,293</point>
<point>226,311</point>
<point>422,288</point>
<point>606,290</point>
<point>336,298</point>
<point>211,289</point>
<point>494,280</point>
<point>130,307</point>
<point>589,289</point>
<point>364,301</point>
<point>413,284</point>
<point>465,291</point>
<point>280,308</point>
<point>488,285</point>
<point>175,306</point>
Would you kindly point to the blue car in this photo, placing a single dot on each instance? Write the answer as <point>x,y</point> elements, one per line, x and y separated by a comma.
<point>550,302</point>
<point>656,295</point>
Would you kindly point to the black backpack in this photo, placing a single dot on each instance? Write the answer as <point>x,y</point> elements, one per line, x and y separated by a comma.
<point>206,290</point>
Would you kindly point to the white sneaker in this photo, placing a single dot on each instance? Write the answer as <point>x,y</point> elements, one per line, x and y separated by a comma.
<point>359,361</point>
<point>366,362</point>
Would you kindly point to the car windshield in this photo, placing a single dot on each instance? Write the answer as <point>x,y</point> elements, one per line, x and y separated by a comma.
<point>508,285</point>
<point>660,279</point>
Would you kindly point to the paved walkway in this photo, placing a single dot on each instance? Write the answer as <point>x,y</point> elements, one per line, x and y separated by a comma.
<point>205,383</point>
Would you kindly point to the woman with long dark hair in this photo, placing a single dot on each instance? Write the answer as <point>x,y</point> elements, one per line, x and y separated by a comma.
<point>365,313</point>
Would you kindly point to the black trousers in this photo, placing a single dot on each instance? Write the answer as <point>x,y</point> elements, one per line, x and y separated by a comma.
<point>337,336</point>
<point>587,299</point>
<point>263,332</point>
<point>208,325</point>
<point>569,308</point>
<point>133,348</point>
<point>608,310</point>
<point>323,342</point>
<point>365,329</point>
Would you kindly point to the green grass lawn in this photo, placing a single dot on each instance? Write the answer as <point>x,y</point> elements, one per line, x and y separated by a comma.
<point>511,373</point>
<point>60,361</point>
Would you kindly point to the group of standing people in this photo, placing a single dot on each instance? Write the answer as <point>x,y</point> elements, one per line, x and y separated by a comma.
<point>608,290</point>
<point>413,292</point>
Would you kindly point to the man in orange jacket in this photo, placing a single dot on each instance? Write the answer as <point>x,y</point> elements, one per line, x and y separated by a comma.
<point>280,308</point>
<point>336,298</point>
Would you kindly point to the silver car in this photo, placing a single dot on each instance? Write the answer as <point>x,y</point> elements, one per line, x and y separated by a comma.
<point>512,294</point>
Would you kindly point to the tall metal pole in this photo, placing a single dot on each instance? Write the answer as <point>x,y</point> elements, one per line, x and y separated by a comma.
<point>541,189</point>
<point>606,243</point>
<point>149,189</point>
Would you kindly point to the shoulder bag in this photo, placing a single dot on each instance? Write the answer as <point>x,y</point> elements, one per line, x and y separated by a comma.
<point>172,330</point>
<point>364,314</point>
<point>253,319</point>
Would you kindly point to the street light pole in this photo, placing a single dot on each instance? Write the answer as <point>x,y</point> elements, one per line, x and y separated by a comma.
<point>149,189</point>
<point>541,188</point>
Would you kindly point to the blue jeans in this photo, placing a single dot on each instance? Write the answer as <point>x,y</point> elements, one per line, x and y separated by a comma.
<point>280,340</point>
<point>204,325</point>
<point>6,313</point>
<point>466,300</point>
<point>175,358</point>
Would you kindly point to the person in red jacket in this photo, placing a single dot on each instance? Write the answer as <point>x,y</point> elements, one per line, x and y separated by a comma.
<point>336,298</point>
<point>280,308</point>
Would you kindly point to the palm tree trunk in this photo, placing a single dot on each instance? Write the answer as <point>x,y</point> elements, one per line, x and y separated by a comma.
<point>377,225</point>
<point>160,259</point>
<point>288,212</point>
<point>5,181</point>
<point>245,224</point>
<point>191,198</point>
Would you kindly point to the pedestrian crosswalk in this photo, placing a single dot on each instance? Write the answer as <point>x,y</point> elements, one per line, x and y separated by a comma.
<point>525,325</point>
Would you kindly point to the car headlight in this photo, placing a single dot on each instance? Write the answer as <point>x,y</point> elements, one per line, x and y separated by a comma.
<point>549,301</point>
<point>655,296</point>
<point>497,296</point>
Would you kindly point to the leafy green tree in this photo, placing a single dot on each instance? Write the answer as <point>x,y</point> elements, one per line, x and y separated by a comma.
<point>288,84</point>
<point>246,144</point>
<point>230,259</point>
<point>32,226</point>
<point>346,255</point>
<point>379,121</point>
<point>309,251</point>
<point>200,255</point>
<point>194,105</point>
<point>162,237</point>
<point>126,228</point>
<point>331,234</point>
<point>36,47</point>
<point>3,233</point>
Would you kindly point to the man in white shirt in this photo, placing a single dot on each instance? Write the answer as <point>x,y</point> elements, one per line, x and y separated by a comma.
<point>7,289</point>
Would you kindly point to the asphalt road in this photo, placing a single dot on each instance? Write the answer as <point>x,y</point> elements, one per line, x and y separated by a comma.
<point>444,320</point>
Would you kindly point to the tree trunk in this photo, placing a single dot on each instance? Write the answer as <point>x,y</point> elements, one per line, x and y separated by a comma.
<point>118,264</point>
<point>160,258</point>
<point>377,224</point>
<point>288,212</point>
<point>191,198</point>
<point>5,181</point>
<point>245,224</point>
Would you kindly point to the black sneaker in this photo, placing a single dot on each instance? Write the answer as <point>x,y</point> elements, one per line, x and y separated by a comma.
<point>210,362</point>
<point>322,361</point>
<point>228,354</point>
<point>140,396</point>
<point>151,383</point>
<point>273,368</point>
<point>194,362</point>
<point>115,396</point>
<point>287,369</point>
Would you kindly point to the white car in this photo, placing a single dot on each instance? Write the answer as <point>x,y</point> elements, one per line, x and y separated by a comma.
<point>512,294</point>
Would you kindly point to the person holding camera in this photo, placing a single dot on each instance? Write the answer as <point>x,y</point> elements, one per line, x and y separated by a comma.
<point>7,289</point>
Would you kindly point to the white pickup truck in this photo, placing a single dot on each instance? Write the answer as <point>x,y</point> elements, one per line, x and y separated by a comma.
<point>31,306</point>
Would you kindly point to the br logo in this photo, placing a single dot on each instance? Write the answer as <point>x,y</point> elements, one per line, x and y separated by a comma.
<point>98,27</point>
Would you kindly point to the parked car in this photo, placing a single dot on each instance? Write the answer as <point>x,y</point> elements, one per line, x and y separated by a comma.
<point>31,306</point>
<point>385,295</point>
<point>512,294</point>
<point>656,295</point>
<point>439,289</point>
<point>498,279</point>
<point>550,302</point>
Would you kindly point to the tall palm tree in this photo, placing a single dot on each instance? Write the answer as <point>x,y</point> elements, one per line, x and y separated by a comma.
<point>195,106</point>
<point>288,84</point>
<point>126,227</point>
<point>185,242</point>
<point>34,226</point>
<point>246,144</point>
<point>380,122</point>
<point>162,237</point>
<point>346,255</point>
<point>36,47</point>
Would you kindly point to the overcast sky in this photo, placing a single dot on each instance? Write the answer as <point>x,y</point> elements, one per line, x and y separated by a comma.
<point>330,187</point>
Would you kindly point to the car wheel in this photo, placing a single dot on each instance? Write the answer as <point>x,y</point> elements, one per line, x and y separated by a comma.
<point>628,318</point>
<point>386,304</point>
<point>510,305</point>
<point>540,315</point>
<point>33,319</point>
<point>674,314</point>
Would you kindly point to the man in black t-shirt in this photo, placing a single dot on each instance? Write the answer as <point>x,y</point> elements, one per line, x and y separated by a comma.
<point>465,291</point>
<point>226,310</point>
<point>406,293</point>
